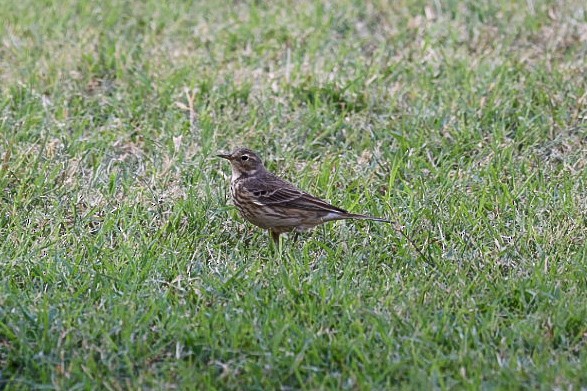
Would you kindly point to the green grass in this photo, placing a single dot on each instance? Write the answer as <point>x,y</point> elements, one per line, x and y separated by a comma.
<point>124,266</point>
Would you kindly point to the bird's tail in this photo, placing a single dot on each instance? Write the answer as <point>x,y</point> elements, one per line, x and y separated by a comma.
<point>364,217</point>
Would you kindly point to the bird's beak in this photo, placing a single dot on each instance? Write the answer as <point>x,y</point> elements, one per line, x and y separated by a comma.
<point>223,156</point>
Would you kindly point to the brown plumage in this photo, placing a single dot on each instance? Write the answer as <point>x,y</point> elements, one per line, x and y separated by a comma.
<point>271,203</point>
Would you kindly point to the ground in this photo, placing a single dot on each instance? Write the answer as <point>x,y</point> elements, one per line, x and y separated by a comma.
<point>123,264</point>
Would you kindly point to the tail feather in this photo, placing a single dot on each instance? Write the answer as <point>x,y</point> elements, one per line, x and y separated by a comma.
<point>356,216</point>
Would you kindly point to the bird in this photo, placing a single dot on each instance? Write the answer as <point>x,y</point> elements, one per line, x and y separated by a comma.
<point>274,204</point>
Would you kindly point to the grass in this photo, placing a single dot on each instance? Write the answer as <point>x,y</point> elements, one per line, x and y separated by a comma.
<point>124,266</point>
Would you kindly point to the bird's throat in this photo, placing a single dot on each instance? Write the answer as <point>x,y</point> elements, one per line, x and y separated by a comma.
<point>238,174</point>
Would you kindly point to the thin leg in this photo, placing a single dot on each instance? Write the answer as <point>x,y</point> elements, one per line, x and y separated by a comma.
<point>274,236</point>
<point>276,243</point>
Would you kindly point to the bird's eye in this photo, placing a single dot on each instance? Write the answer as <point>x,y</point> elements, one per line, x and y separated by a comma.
<point>244,157</point>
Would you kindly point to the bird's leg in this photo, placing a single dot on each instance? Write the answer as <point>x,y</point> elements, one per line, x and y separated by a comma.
<point>274,236</point>
<point>276,242</point>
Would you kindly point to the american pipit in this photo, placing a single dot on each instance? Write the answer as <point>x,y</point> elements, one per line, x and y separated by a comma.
<point>271,203</point>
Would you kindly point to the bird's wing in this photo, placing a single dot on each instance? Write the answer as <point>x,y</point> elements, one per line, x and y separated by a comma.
<point>285,195</point>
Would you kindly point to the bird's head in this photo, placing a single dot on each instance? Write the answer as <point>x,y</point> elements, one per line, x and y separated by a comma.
<point>243,162</point>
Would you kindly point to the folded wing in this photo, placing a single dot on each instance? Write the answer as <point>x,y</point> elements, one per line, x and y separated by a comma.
<point>290,197</point>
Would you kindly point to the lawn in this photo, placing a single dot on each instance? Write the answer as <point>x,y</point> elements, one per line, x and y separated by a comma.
<point>124,265</point>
